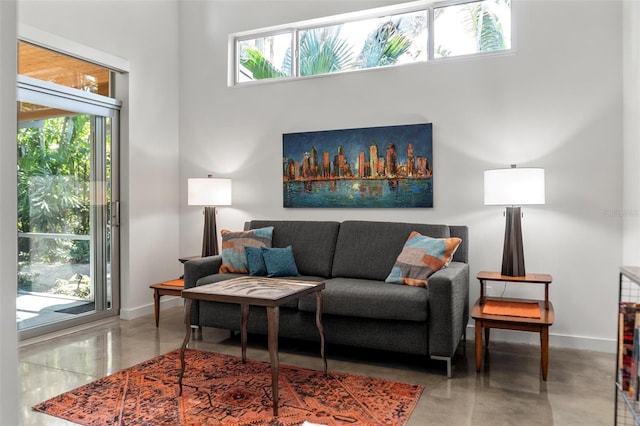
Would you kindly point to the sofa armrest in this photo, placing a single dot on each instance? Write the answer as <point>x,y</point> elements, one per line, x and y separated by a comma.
<point>448,308</point>
<point>193,271</point>
<point>198,268</point>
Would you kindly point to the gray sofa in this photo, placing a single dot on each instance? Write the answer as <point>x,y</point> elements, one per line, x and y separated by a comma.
<point>353,258</point>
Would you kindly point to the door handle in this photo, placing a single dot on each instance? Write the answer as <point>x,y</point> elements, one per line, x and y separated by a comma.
<point>115,215</point>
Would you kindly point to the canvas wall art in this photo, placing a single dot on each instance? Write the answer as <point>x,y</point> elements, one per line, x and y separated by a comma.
<point>372,167</point>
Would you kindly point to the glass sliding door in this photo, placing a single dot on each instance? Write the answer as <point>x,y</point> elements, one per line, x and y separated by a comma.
<point>67,185</point>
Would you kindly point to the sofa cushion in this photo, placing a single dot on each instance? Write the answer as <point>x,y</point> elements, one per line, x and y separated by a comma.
<point>370,299</point>
<point>368,250</point>
<point>421,256</point>
<point>462,253</point>
<point>234,257</point>
<point>313,243</point>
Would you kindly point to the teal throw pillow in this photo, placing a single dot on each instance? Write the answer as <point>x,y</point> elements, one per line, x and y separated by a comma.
<point>256,261</point>
<point>280,262</point>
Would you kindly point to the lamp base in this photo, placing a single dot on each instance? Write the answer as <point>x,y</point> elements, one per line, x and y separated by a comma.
<point>210,233</point>
<point>512,252</point>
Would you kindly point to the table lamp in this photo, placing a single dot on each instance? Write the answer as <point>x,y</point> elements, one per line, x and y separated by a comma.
<point>209,192</point>
<point>513,187</point>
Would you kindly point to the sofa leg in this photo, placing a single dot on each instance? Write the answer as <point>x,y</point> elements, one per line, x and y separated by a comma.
<point>196,332</point>
<point>464,342</point>
<point>444,358</point>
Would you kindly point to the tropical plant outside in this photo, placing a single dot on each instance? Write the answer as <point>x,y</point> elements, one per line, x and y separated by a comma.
<point>324,50</point>
<point>487,28</point>
<point>384,46</point>
<point>472,27</point>
<point>458,29</point>
<point>53,193</point>
<point>260,67</point>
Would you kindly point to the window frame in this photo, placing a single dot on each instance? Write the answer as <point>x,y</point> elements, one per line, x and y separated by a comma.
<point>294,29</point>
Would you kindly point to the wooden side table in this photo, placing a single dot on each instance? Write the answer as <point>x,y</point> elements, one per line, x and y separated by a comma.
<point>511,320</point>
<point>168,288</point>
<point>165,288</point>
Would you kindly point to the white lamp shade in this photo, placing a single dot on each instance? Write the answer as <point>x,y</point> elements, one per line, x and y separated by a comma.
<point>514,186</point>
<point>209,192</point>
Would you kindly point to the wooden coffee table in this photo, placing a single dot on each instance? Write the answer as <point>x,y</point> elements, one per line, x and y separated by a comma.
<point>258,291</point>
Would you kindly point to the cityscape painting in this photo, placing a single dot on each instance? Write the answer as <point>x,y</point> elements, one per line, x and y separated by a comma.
<point>373,167</point>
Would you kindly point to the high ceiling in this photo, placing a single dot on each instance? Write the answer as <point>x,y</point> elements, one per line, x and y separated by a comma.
<point>47,65</point>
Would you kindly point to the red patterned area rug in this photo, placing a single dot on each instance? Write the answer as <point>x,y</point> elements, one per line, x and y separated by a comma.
<point>221,390</point>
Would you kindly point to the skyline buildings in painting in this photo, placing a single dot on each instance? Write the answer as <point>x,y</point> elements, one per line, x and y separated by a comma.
<point>366,153</point>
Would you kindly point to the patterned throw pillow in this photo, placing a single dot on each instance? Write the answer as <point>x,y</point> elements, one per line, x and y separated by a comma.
<point>421,256</point>
<point>234,257</point>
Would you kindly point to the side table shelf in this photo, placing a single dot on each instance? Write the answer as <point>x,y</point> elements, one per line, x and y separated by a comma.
<point>627,407</point>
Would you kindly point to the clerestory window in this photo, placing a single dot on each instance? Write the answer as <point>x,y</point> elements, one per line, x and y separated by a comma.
<point>390,36</point>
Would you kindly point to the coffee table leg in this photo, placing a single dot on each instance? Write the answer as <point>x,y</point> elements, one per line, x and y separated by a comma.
<point>320,328</point>
<point>244,310</point>
<point>273,319</point>
<point>187,321</point>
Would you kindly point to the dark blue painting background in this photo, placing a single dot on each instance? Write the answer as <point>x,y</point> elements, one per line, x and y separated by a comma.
<point>353,141</point>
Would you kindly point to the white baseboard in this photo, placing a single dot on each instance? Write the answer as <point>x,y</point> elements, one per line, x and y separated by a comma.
<point>166,302</point>
<point>555,340</point>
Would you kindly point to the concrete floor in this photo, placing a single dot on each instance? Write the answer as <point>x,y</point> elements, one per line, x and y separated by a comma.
<point>508,391</point>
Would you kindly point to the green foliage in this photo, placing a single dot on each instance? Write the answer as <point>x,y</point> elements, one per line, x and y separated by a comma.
<point>442,52</point>
<point>25,277</point>
<point>491,34</point>
<point>322,51</point>
<point>384,46</point>
<point>78,285</point>
<point>259,66</point>
<point>55,203</point>
<point>486,27</point>
<point>79,251</point>
<point>53,185</point>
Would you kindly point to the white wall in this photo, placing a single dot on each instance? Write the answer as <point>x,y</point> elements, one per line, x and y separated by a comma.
<point>9,398</point>
<point>631,99</point>
<point>555,103</point>
<point>145,34</point>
